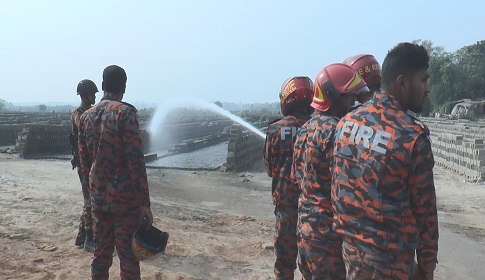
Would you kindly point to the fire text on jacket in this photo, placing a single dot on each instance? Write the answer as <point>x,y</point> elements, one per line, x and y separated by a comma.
<point>356,133</point>
<point>288,131</point>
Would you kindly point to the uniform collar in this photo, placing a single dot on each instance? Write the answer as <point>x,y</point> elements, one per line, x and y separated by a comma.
<point>324,115</point>
<point>84,108</point>
<point>108,98</point>
<point>390,99</point>
<point>301,115</point>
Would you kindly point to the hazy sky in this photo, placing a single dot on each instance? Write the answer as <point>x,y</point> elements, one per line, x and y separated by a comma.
<point>231,51</point>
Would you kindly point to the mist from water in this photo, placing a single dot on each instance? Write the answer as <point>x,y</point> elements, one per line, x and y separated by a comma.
<point>179,102</point>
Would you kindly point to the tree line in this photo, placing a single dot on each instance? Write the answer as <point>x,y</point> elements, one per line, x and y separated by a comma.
<point>454,76</point>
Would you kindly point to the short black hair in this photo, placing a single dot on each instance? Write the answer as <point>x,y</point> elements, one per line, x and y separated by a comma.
<point>403,59</point>
<point>114,79</point>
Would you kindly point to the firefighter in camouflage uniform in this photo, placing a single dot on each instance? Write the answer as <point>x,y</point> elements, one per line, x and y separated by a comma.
<point>320,248</point>
<point>87,90</point>
<point>383,192</point>
<point>113,164</point>
<point>295,98</point>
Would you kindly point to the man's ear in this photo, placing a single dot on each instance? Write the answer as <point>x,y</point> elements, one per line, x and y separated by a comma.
<point>402,83</point>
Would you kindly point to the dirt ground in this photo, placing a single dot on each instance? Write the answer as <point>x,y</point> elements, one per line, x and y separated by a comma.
<point>219,224</point>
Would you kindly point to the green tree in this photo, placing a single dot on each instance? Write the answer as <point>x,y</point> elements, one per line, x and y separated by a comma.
<point>433,50</point>
<point>3,105</point>
<point>455,76</point>
<point>265,111</point>
<point>445,77</point>
<point>42,107</point>
<point>426,108</point>
<point>218,103</point>
<point>471,61</point>
<point>146,112</point>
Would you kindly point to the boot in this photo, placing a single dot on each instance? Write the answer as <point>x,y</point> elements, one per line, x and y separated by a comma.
<point>89,242</point>
<point>81,236</point>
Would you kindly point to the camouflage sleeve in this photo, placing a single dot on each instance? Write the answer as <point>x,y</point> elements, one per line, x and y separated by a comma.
<point>298,161</point>
<point>423,203</point>
<point>73,124</point>
<point>267,155</point>
<point>75,118</point>
<point>134,155</point>
<point>84,158</point>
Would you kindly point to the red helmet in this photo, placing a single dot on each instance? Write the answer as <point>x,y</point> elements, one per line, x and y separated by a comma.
<point>368,68</point>
<point>148,243</point>
<point>296,91</point>
<point>334,80</point>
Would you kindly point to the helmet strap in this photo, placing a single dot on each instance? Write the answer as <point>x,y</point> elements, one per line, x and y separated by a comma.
<point>331,92</point>
<point>334,96</point>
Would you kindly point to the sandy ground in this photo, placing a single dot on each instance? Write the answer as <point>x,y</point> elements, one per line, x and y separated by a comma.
<point>218,223</point>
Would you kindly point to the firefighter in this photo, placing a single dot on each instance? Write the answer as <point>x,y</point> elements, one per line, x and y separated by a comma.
<point>295,98</point>
<point>383,192</point>
<point>87,90</point>
<point>320,248</point>
<point>113,164</point>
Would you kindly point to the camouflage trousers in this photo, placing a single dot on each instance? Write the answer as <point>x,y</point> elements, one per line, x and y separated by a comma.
<point>86,220</point>
<point>285,245</point>
<point>362,266</point>
<point>321,258</point>
<point>110,230</point>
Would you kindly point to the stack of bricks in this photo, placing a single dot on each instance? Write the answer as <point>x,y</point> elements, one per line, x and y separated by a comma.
<point>459,147</point>
<point>244,148</point>
<point>9,133</point>
<point>190,145</point>
<point>35,117</point>
<point>21,140</point>
<point>184,131</point>
<point>40,139</point>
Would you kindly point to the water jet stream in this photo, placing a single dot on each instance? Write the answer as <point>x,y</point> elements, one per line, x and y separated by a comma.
<point>162,111</point>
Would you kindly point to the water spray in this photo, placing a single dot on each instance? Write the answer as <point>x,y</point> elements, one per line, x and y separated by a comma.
<point>170,104</point>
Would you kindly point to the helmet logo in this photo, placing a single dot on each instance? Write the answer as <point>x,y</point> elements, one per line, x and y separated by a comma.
<point>289,88</point>
<point>356,81</point>
<point>368,69</point>
<point>319,96</point>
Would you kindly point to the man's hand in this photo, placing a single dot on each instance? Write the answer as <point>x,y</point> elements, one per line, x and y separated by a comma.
<point>424,275</point>
<point>419,274</point>
<point>74,162</point>
<point>147,213</point>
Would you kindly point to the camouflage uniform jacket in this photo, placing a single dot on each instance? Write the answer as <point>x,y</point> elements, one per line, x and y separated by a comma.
<point>383,192</point>
<point>312,169</point>
<point>75,116</point>
<point>278,158</point>
<point>112,156</point>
